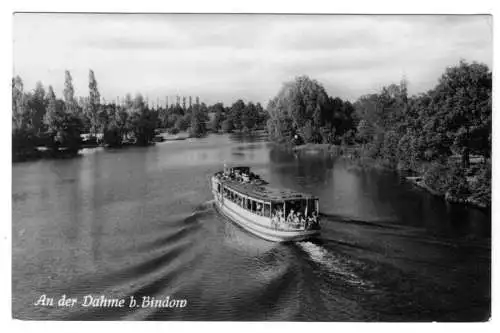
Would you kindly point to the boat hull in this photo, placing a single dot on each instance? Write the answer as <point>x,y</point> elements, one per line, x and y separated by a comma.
<point>257,224</point>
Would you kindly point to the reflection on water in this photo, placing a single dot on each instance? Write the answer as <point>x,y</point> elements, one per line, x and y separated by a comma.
<point>141,222</point>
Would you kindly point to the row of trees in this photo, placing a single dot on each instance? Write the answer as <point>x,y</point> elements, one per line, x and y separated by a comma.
<point>238,117</point>
<point>200,118</point>
<point>39,118</point>
<point>435,132</point>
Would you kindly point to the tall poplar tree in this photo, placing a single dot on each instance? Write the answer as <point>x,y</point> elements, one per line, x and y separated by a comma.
<point>94,102</point>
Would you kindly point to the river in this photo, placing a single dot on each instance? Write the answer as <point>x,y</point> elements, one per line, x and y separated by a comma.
<point>141,222</point>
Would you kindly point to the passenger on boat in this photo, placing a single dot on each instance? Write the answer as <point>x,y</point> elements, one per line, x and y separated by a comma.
<point>274,220</point>
<point>289,219</point>
<point>245,178</point>
<point>259,209</point>
<point>300,220</point>
<point>279,215</point>
<point>312,220</point>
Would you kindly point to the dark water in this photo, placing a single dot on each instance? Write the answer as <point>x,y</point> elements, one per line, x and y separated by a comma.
<point>140,222</point>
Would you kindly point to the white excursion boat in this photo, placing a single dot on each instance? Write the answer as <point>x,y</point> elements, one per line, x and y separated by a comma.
<point>273,214</point>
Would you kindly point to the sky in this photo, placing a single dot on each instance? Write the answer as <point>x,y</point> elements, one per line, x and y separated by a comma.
<point>228,57</point>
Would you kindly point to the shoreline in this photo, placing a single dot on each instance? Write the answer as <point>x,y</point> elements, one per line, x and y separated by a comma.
<point>468,201</point>
<point>353,153</point>
<point>45,153</point>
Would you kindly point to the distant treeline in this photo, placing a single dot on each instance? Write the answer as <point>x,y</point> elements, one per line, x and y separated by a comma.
<point>40,119</point>
<point>238,117</point>
<point>433,133</point>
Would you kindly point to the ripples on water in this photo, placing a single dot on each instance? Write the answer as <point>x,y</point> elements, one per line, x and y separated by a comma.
<point>141,222</point>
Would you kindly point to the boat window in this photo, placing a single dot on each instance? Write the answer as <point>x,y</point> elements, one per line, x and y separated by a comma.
<point>277,209</point>
<point>218,188</point>
<point>259,208</point>
<point>267,210</point>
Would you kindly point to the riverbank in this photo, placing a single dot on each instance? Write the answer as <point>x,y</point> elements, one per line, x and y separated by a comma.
<point>474,195</point>
<point>42,153</point>
<point>419,181</point>
<point>175,137</point>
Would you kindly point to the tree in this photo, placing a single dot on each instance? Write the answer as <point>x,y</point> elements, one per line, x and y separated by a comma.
<point>23,144</point>
<point>142,121</point>
<point>129,103</point>
<point>197,128</point>
<point>227,126</point>
<point>182,123</point>
<point>235,114</point>
<point>64,127</point>
<point>218,109</point>
<point>262,115</point>
<point>69,91</point>
<point>249,116</point>
<point>462,100</point>
<point>365,131</point>
<point>295,104</point>
<point>53,114</point>
<point>95,101</point>
<point>20,114</point>
<point>38,104</point>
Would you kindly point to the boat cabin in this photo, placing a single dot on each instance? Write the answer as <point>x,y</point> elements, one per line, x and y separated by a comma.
<point>286,209</point>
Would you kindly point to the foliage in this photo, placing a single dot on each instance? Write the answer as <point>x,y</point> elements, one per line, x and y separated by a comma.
<point>182,123</point>
<point>142,121</point>
<point>303,107</point>
<point>227,126</point>
<point>451,120</point>
<point>441,128</point>
<point>94,102</point>
<point>218,109</point>
<point>198,120</point>
<point>481,185</point>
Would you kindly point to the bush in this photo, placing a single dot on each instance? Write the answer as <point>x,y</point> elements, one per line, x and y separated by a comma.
<point>447,179</point>
<point>227,126</point>
<point>183,123</point>
<point>173,130</point>
<point>457,181</point>
<point>435,177</point>
<point>481,186</point>
<point>112,136</point>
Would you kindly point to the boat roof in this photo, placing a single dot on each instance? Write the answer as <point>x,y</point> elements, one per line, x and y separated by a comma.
<point>266,192</point>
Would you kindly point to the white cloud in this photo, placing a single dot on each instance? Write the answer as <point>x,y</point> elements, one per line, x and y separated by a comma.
<point>225,57</point>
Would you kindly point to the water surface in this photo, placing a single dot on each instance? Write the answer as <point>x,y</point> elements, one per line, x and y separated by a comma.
<point>141,222</point>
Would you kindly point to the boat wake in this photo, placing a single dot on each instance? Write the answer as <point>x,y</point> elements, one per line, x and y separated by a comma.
<point>203,207</point>
<point>333,265</point>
